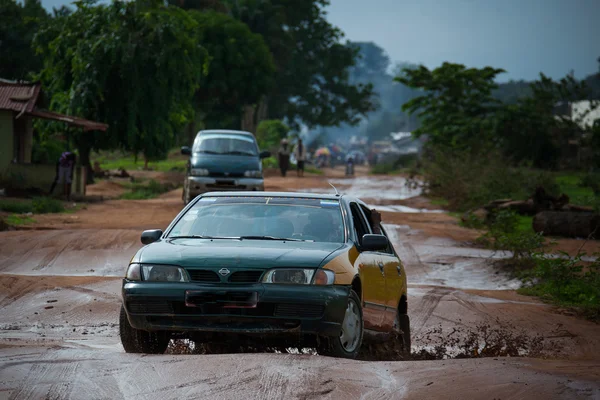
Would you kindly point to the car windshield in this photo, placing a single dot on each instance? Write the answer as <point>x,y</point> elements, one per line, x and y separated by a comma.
<point>263,218</point>
<point>225,144</point>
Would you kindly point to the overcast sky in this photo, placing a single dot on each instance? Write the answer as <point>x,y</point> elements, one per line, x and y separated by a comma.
<point>522,36</point>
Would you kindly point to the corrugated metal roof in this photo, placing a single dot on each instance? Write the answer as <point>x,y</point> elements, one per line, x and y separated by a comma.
<point>19,97</point>
<point>86,124</point>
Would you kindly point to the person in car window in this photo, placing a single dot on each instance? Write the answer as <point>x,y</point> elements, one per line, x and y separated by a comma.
<point>375,220</point>
<point>284,157</point>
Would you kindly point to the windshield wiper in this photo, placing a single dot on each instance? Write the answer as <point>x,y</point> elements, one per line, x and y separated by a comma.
<point>208,152</point>
<point>201,237</point>
<point>239,153</point>
<point>271,238</point>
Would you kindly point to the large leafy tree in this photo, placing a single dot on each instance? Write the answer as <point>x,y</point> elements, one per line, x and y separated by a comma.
<point>240,71</point>
<point>132,65</point>
<point>269,134</point>
<point>456,107</point>
<point>312,79</point>
<point>534,130</point>
<point>18,23</point>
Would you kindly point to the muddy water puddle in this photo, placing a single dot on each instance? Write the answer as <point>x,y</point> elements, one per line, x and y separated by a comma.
<point>496,339</point>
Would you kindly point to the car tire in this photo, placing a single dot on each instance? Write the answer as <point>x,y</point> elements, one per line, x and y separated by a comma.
<point>402,331</point>
<point>139,341</point>
<point>348,344</point>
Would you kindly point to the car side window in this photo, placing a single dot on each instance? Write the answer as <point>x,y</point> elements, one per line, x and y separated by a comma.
<point>389,248</point>
<point>360,225</point>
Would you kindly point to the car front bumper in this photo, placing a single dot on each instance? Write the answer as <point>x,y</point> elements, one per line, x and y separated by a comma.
<point>244,309</point>
<point>201,184</point>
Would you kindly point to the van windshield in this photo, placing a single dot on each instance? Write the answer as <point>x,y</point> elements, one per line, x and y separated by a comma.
<point>225,144</point>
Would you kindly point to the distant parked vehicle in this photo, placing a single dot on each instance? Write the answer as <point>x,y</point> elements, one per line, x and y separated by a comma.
<point>223,160</point>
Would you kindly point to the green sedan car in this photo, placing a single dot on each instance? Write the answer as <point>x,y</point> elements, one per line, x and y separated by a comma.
<point>294,269</point>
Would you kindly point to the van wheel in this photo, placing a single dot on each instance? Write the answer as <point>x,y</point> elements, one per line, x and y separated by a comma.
<point>139,341</point>
<point>347,345</point>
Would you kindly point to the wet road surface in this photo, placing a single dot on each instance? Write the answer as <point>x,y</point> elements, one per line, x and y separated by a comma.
<point>60,297</point>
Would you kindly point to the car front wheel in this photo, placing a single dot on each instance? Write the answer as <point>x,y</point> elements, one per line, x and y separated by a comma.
<point>347,345</point>
<point>402,330</point>
<point>139,341</point>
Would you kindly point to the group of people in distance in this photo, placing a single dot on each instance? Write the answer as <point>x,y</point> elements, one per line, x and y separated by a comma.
<point>283,155</point>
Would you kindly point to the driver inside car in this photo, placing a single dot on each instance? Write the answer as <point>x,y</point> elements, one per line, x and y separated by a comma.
<point>322,228</point>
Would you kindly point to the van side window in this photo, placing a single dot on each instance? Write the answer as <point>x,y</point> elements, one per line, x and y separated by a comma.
<point>361,227</point>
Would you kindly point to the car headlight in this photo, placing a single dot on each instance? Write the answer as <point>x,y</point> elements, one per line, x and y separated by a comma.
<point>253,174</point>
<point>297,276</point>
<point>199,172</point>
<point>156,273</point>
<point>324,277</point>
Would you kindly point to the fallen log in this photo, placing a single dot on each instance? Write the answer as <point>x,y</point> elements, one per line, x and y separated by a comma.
<point>568,224</point>
<point>526,207</point>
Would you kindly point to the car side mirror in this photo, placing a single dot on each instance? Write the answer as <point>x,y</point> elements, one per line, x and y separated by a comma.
<point>265,154</point>
<point>374,242</point>
<point>186,151</point>
<point>151,236</point>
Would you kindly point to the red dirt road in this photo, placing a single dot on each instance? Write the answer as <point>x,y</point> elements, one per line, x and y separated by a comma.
<point>60,296</point>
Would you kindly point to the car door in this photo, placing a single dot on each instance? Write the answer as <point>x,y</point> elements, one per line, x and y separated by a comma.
<point>395,283</point>
<point>371,274</point>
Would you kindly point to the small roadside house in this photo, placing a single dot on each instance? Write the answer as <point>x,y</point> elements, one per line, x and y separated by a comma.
<point>18,108</point>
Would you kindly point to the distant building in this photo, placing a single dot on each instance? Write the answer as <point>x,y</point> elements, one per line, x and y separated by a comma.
<point>584,113</point>
<point>18,107</point>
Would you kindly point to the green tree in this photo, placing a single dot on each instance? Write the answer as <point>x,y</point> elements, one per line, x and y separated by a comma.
<point>312,80</point>
<point>456,108</point>
<point>240,72</point>
<point>18,24</point>
<point>534,131</point>
<point>270,132</point>
<point>200,5</point>
<point>134,66</point>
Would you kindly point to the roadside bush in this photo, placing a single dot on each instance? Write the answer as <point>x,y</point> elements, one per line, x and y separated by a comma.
<point>505,233</point>
<point>16,206</point>
<point>470,180</point>
<point>567,281</point>
<point>46,205</point>
<point>150,190</point>
<point>38,205</point>
<point>591,180</point>
<point>270,162</point>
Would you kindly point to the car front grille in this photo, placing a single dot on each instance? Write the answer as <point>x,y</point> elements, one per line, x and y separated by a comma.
<point>245,276</point>
<point>299,310</point>
<point>149,307</point>
<point>203,275</point>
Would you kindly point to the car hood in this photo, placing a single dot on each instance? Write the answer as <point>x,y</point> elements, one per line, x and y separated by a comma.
<point>219,253</point>
<point>216,163</point>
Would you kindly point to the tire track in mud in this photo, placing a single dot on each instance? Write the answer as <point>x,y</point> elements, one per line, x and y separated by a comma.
<point>425,308</point>
<point>47,378</point>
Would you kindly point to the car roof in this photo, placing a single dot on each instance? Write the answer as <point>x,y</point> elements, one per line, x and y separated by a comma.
<point>225,131</point>
<point>322,196</point>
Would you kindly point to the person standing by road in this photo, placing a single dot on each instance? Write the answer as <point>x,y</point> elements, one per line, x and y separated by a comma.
<point>64,173</point>
<point>284,157</point>
<point>300,155</point>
